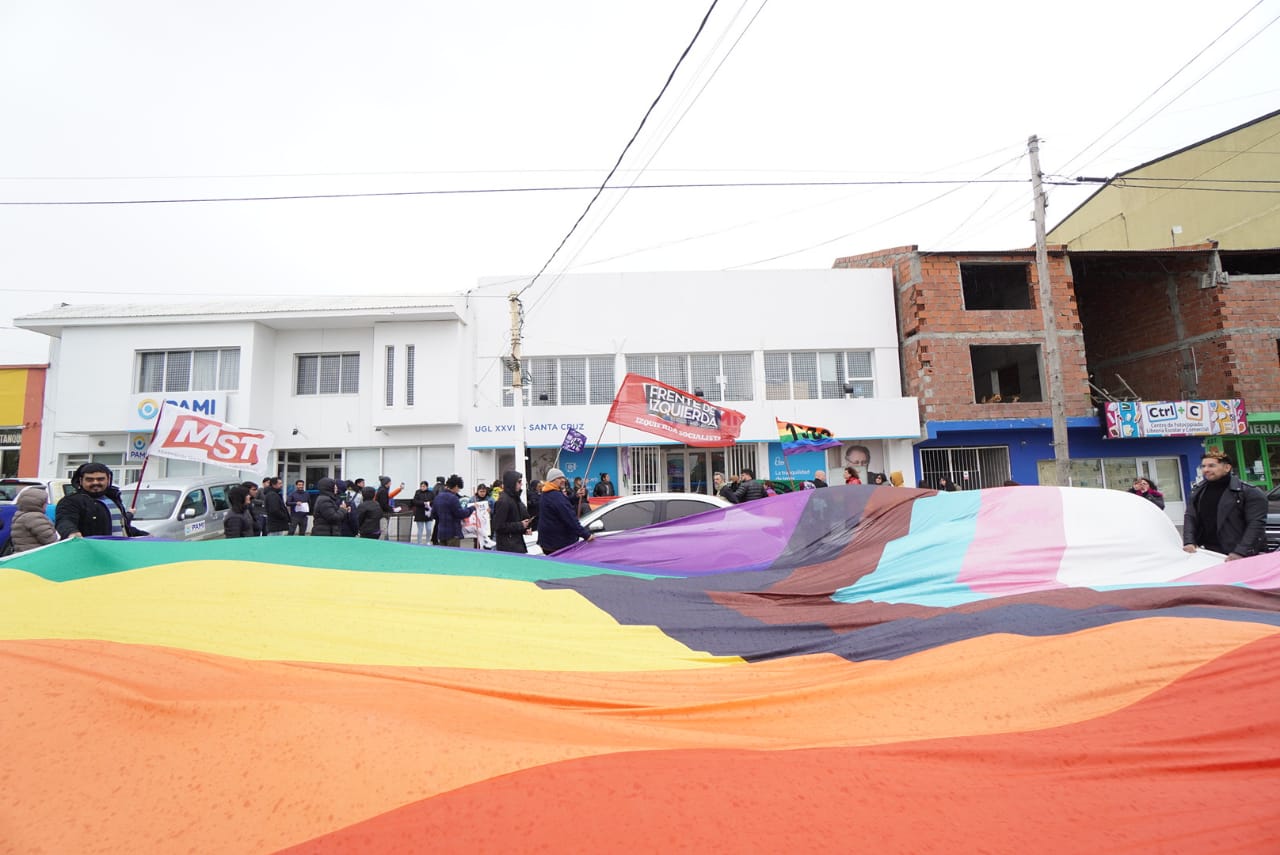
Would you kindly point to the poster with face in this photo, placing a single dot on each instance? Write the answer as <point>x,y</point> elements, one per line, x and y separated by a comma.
<point>864,456</point>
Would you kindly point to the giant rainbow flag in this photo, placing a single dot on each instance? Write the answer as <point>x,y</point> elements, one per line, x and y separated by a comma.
<point>855,669</point>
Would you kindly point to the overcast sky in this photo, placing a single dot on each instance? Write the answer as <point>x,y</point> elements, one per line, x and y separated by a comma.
<point>157,100</point>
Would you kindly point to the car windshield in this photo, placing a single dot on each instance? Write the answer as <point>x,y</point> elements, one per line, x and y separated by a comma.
<point>8,492</point>
<point>152,504</point>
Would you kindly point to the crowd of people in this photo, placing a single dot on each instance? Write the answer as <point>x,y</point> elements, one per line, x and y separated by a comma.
<point>1223,514</point>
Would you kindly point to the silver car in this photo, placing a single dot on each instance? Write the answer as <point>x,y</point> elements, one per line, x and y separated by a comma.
<point>179,508</point>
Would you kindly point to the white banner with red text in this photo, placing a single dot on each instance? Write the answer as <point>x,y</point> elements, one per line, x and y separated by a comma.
<point>182,435</point>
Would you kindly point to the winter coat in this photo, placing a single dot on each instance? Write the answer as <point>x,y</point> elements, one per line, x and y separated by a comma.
<point>31,526</point>
<point>1242,518</point>
<point>1153,496</point>
<point>369,519</point>
<point>422,505</point>
<point>558,525</point>
<point>241,523</point>
<point>82,513</point>
<point>447,511</point>
<point>747,491</point>
<point>277,511</point>
<point>509,514</point>
<point>328,513</point>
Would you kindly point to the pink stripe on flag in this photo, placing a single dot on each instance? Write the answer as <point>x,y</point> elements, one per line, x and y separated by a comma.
<point>1028,554</point>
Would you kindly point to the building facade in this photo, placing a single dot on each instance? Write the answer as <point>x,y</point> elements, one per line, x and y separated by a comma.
<point>21,419</point>
<point>973,348</point>
<point>417,388</point>
<point>1221,189</point>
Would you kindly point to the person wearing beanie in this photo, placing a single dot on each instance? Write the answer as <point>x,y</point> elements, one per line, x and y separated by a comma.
<point>558,525</point>
<point>383,496</point>
<point>511,518</point>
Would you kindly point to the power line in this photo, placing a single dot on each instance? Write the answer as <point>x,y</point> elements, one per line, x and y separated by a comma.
<point>1154,92</point>
<point>706,185</point>
<point>701,25</point>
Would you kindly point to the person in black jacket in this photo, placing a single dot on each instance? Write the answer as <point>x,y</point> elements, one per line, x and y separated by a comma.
<point>369,515</point>
<point>748,488</point>
<point>278,516</point>
<point>299,503</point>
<point>422,514</point>
<point>510,516</point>
<point>239,521</point>
<point>328,512</point>
<point>1224,514</point>
<point>94,509</point>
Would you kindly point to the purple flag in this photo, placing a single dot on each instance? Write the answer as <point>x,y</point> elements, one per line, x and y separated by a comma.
<point>574,441</point>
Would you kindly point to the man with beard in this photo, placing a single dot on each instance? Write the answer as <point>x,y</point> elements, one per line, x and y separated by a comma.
<point>511,518</point>
<point>1224,514</point>
<point>94,509</point>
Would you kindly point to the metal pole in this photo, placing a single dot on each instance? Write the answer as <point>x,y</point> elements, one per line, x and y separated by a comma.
<point>517,384</point>
<point>1048,312</point>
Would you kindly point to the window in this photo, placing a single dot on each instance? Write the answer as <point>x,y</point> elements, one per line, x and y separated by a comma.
<point>390,389</point>
<point>967,468</point>
<point>328,374</point>
<point>1005,373</point>
<point>189,370</point>
<point>720,376</point>
<point>629,516</point>
<point>408,375</point>
<point>219,496</point>
<point>995,286</point>
<point>809,375</point>
<point>194,502</point>
<point>552,380</point>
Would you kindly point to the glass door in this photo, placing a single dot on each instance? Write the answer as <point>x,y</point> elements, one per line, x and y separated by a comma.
<point>689,470</point>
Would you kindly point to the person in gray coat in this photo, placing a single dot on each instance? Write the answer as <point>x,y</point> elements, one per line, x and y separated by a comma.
<point>31,526</point>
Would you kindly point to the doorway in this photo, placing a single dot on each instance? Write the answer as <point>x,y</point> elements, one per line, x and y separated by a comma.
<point>688,470</point>
<point>310,466</point>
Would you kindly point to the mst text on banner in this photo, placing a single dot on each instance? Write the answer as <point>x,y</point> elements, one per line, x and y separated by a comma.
<point>797,438</point>
<point>653,407</point>
<point>183,435</point>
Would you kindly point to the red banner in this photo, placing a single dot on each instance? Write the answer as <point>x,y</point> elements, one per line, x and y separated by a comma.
<point>645,404</point>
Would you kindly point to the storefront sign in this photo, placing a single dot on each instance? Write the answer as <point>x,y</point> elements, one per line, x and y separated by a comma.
<point>1264,428</point>
<point>144,408</point>
<point>1133,419</point>
<point>11,437</point>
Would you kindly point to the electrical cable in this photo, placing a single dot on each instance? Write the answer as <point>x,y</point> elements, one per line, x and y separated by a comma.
<point>701,25</point>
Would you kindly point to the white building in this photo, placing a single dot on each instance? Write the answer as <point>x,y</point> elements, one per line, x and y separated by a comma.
<point>417,388</point>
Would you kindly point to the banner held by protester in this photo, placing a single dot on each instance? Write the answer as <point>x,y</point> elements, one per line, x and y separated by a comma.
<point>183,435</point>
<point>654,407</point>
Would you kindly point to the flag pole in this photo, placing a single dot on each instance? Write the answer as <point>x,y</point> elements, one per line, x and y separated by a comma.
<point>596,446</point>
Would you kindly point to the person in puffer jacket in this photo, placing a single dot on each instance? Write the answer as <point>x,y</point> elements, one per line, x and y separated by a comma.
<point>31,526</point>
<point>328,512</point>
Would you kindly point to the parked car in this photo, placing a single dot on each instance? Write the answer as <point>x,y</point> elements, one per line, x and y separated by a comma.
<point>641,509</point>
<point>1273,520</point>
<point>179,508</point>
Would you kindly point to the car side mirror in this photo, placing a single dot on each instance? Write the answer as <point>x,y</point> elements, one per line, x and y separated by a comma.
<point>596,525</point>
<point>188,513</point>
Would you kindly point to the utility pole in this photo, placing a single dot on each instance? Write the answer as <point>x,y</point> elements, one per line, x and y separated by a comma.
<point>1049,314</point>
<point>517,384</point>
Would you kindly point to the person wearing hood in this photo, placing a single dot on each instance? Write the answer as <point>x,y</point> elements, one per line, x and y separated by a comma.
<point>511,517</point>
<point>94,509</point>
<point>558,525</point>
<point>329,513</point>
<point>30,526</point>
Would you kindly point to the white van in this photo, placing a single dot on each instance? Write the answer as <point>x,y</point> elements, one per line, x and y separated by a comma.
<point>179,508</point>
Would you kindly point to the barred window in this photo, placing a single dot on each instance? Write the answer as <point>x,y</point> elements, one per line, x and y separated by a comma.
<point>408,374</point>
<point>189,370</point>
<point>810,375</point>
<point>720,376</point>
<point>389,387</point>
<point>552,380</point>
<point>327,374</point>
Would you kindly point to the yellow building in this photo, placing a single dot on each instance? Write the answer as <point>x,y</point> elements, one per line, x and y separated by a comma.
<point>21,414</point>
<point>1225,188</point>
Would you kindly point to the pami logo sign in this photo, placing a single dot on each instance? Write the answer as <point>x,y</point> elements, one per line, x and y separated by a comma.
<point>220,442</point>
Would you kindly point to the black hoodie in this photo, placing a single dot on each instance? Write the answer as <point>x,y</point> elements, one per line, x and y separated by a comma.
<point>509,514</point>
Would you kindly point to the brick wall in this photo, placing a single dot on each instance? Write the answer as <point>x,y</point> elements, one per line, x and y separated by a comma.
<point>936,331</point>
